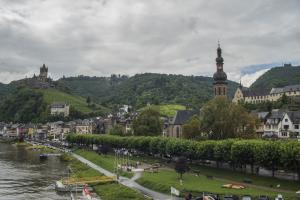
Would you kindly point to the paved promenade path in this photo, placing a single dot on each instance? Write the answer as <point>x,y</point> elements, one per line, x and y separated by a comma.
<point>127,182</point>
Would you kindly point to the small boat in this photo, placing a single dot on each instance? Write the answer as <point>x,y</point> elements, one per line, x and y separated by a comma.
<point>43,156</point>
<point>60,187</point>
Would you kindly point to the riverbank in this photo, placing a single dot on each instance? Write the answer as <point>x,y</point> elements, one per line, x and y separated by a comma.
<point>108,191</point>
<point>208,180</point>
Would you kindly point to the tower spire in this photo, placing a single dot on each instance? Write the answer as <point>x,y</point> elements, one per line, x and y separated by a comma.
<point>220,77</point>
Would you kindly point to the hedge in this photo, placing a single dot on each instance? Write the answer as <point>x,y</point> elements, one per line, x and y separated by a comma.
<point>273,155</point>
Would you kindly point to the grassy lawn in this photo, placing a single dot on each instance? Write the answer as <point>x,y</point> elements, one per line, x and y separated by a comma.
<point>110,191</point>
<point>240,177</point>
<point>167,109</point>
<point>116,191</point>
<point>78,102</point>
<point>165,178</point>
<point>105,161</point>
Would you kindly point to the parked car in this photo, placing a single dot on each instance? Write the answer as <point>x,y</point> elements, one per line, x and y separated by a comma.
<point>246,197</point>
<point>279,197</point>
<point>230,197</point>
<point>263,197</point>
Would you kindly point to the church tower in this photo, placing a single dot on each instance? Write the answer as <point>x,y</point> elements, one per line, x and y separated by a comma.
<point>220,77</point>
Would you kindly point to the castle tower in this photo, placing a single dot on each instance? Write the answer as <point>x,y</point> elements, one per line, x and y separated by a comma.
<point>220,77</point>
<point>43,73</point>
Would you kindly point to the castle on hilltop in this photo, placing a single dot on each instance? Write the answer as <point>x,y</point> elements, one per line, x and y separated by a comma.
<point>43,73</point>
<point>40,81</point>
<point>43,76</point>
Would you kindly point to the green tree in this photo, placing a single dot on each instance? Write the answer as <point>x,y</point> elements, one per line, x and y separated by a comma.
<point>181,166</point>
<point>88,100</point>
<point>147,123</point>
<point>191,129</point>
<point>222,119</point>
<point>116,130</point>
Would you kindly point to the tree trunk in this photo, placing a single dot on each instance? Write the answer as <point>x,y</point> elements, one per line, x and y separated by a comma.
<point>252,169</point>
<point>273,172</point>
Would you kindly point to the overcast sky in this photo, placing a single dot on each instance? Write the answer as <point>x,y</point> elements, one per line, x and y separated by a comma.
<point>101,37</point>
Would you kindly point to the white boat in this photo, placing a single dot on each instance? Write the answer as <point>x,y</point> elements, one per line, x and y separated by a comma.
<point>60,187</point>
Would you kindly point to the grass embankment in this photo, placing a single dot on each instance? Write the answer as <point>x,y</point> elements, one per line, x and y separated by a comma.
<point>165,178</point>
<point>256,180</point>
<point>109,191</point>
<point>105,161</point>
<point>168,110</point>
<point>78,102</point>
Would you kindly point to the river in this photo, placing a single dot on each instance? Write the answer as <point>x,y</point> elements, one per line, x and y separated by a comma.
<point>24,176</point>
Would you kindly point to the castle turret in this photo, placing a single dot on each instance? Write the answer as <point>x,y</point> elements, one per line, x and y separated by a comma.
<point>43,73</point>
<point>220,77</point>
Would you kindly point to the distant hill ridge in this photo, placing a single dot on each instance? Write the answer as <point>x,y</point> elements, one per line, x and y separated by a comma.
<point>278,77</point>
<point>137,90</point>
<point>141,89</point>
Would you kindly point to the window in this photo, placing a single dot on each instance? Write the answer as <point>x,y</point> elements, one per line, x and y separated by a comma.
<point>224,90</point>
<point>286,127</point>
<point>286,120</point>
<point>219,91</point>
<point>284,133</point>
<point>297,126</point>
<point>177,132</point>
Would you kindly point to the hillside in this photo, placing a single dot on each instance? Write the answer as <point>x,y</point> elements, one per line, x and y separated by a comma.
<point>26,104</point>
<point>168,110</point>
<point>278,77</point>
<point>141,89</point>
<point>78,102</point>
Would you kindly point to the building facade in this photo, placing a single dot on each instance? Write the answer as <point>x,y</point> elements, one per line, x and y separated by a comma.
<point>220,77</point>
<point>60,108</point>
<point>282,124</point>
<point>259,96</point>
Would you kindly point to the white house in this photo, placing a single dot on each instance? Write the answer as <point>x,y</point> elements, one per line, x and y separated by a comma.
<point>282,124</point>
<point>59,108</point>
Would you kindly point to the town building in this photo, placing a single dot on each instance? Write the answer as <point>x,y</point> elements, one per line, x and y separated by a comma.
<point>282,124</point>
<point>263,95</point>
<point>60,108</point>
<point>220,77</point>
<point>84,127</point>
<point>175,128</point>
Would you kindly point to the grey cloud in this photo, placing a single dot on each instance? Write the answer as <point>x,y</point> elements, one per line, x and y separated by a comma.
<point>134,36</point>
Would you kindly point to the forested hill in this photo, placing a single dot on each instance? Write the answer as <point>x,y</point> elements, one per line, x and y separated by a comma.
<point>145,88</point>
<point>278,77</point>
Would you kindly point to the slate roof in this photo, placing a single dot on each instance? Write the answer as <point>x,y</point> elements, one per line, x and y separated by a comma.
<point>182,116</point>
<point>58,105</point>
<point>294,116</point>
<point>261,115</point>
<point>260,92</point>
<point>289,88</point>
<point>276,114</point>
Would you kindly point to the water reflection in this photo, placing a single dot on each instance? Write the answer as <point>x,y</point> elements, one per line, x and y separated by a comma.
<point>24,176</point>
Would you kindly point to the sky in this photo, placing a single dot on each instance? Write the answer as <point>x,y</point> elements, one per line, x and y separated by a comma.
<point>103,37</point>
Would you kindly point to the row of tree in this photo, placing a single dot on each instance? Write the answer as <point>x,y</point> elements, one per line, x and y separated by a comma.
<point>272,155</point>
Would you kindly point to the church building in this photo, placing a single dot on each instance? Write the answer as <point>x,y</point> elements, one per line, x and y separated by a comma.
<point>220,77</point>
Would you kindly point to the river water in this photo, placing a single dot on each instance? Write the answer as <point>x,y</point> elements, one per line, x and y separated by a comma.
<point>24,176</point>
